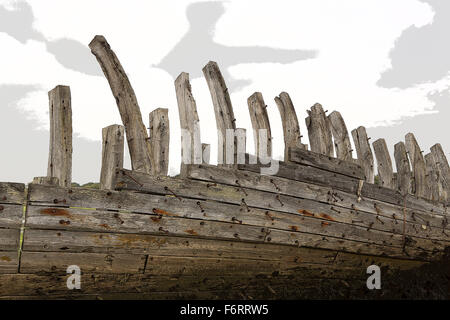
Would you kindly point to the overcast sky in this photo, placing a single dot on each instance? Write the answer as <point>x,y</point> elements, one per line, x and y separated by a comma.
<point>383,64</point>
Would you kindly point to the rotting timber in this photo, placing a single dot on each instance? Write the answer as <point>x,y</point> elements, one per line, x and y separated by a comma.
<point>308,231</point>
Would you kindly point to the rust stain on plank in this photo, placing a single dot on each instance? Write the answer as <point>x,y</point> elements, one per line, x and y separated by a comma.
<point>326,216</point>
<point>56,212</point>
<point>190,231</point>
<point>164,213</point>
<point>5,258</point>
<point>305,212</point>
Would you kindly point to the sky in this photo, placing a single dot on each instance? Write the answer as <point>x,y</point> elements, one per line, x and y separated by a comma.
<point>383,64</point>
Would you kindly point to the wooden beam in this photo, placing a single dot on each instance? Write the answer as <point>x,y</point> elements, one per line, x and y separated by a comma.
<point>364,152</point>
<point>189,121</point>
<point>291,128</point>
<point>443,170</point>
<point>137,138</point>
<point>418,166</point>
<point>384,163</point>
<point>51,181</point>
<point>260,123</point>
<point>403,169</point>
<point>223,109</point>
<point>432,178</point>
<point>206,153</point>
<point>159,140</point>
<point>60,155</point>
<point>112,154</point>
<point>341,137</point>
<point>319,131</point>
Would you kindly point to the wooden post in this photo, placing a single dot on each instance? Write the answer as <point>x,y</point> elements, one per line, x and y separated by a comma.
<point>341,137</point>
<point>403,169</point>
<point>206,153</point>
<point>418,166</point>
<point>260,122</point>
<point>159,140</point>
<point>189,121</point>
<point>364,152</point>
<point>60,155</point>
<point>137,138</point>
<point>443,170</point>
<point>384,163</point>
<point>223,108</point>
<point>291,128</point>
<point>112,155</point>
<point>319,131</point>
<point>51,181</point>
<point>432,178</point>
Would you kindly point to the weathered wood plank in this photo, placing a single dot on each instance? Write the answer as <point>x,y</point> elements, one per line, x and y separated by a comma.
<point>60,154</point>
<point>319,131</point>
<point>137,138</point>
<point>432,177</point>
<point>189,121</point>
<point>384,163</point>
<point>418,166</point>
<point>112,154</point>
<point>364,152</point>
<point>12,193</point>
<point>324,162</point>
<point>443,170</point>
<point>262,135</point>
<point>341,137</point>
<point>206,153</point>
<point>9,262</point>
<point>159,140</point>
<point>223,110</point>
<point>289,120</point>
<point>403,168</point>
<point>9,239</point>
<point>58,262</point>
<point>11,215</point>
<point>52,181</point>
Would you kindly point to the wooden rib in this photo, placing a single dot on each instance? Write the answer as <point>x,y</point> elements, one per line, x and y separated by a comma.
<point>418,166</point>
<point>384,163</point>
<point>60,155</point>
<point>291,128</point>
<point>159,140</point>
<point>319,131</point>
<point>443,170</point>
<point>112,154</point>
<point>403,169</point>
<point>206,153</point>
<point>341,137</point>
<point>137,137</point>
<point>189,120</point>
<point>260,121</point>
<point>432,177</point>
<point>364,152</point>
<point>223,108</point>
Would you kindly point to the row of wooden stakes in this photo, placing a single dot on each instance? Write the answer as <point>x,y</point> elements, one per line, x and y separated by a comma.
<point>426,176</point>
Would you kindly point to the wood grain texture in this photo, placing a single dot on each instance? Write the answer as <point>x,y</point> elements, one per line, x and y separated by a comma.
<point>12,193</point>
<point>443,170</point>
<point>206,153</point>
<point>319,131</point>
<point>260,123</point>
<point>112,154</point>
<point>364,152</point>
<point>60,153</point>
<point>384,163</point>
<point>223,109</point>
<point>432,178</point>
<point>418,167</point>
<point>404,174</point>
<point>136,132</point>
<point>341,137</point>
<point>289,120</point>
<point>52,181</point>
<point>159,140</point>
<point>189,121</point>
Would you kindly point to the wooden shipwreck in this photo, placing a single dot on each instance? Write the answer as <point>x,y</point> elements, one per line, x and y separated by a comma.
<point>310,230</point>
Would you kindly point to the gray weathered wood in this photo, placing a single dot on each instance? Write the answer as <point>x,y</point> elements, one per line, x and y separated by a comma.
<point>206,153</point>
<point>418,166</point>
<point>189,121</point>
<point>112,154</point>
<point>384,163</point>
<point>364,152</point>
<point>432,177</point>
<point>319,131</point>
<point>289,120</point>
<point>52,181</point>
<point>403,168</point>
<point>324,162</point>
<point>223,110</point>
<point>341,136</point>
<point>11,215</point>
<point>137,137</point>
<point>9,262</point>
<point>12,193</point>
<point>443,171</point>
<point>261,125</point>
<point>159,140</point>
<point>60,153</point>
